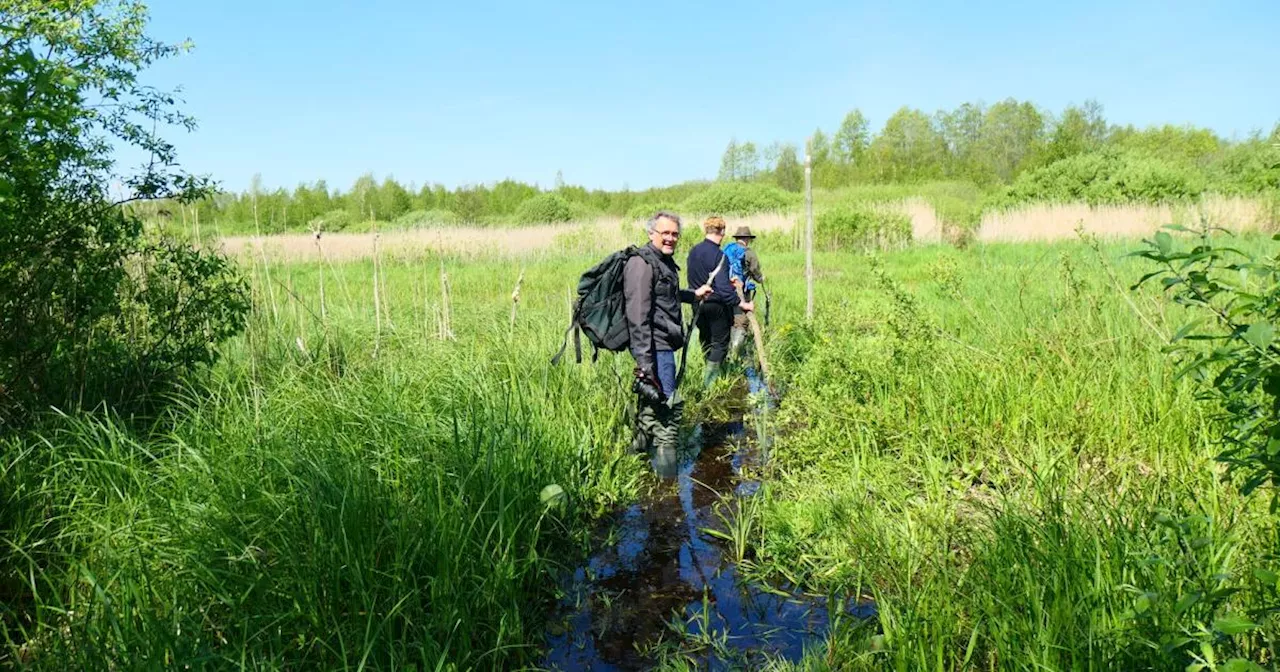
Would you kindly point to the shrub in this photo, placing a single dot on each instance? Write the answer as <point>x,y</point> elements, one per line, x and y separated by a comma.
<point>848,227</point>
<point>549,208</point>
<point>1247,169</point>
<point>334,220</point>
<point>739,198</point>
<point>1105,177</point>
<point>91,311</point>
<point>425,218</point>
<point>643,211</point>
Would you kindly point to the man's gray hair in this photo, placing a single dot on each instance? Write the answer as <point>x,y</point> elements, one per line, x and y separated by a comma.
<point>664,214</point>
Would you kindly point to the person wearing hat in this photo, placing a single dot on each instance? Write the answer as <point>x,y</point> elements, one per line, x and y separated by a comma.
<point>744,271</point>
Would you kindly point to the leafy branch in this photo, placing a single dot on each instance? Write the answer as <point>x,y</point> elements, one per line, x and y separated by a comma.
<point>1238,297</point>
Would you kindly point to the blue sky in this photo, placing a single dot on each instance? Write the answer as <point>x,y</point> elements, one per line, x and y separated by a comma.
<point>645,94</point>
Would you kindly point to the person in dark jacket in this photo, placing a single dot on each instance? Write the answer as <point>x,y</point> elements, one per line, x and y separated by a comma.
<point>652,296</point>
<point>715,318</point>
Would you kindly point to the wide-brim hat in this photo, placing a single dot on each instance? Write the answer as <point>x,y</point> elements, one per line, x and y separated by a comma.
<point>743,232</point>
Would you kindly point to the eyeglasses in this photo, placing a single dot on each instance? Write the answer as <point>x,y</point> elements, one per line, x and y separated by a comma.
<point>669,234</point>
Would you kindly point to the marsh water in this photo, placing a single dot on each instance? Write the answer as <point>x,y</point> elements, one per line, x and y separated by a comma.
<point>660,575</point>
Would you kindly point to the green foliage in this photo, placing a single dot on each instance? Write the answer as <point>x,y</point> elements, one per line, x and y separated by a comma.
<point>1011,438</point>
<point>1080,130</point>
<point>92,312</point>
<point>333,220</point>
<point>1237,298</point>
<point>549,208</point>
<point>738,199</point>
<point>643,211</point>
<point>1106,177</point>
<point>1186,145</point>
<point>1247,169</point>
<point>426,218</point>
<point>860,228</point>
<point>789,174</point>
<point>908,149</point>
<point>740,162</point>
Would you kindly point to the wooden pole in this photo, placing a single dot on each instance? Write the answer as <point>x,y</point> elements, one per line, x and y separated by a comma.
<point>377,302</point>
<point>808,235</point>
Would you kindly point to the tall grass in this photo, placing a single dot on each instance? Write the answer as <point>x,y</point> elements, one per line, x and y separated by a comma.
<point>999,452</point>
<point>988,440</point>
<point>315,507</point>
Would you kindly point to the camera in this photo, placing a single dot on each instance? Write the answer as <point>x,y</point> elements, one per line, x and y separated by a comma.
<point>647,390</point>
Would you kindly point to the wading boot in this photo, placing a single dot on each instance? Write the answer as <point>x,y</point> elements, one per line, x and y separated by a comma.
<point>713,371</point>
<point>736,337</point>
<point>666,439</point>
<point>646,427</point>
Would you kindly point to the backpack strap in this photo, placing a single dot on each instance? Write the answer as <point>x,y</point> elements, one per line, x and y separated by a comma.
<point>564,343</point>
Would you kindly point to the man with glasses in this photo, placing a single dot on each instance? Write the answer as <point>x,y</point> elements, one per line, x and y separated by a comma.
<point>652,296</point>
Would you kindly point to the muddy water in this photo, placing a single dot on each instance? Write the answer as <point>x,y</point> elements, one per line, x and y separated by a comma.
<point>658,565</point>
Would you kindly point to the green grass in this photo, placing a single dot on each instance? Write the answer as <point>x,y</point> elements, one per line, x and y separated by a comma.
<point>989,441</point>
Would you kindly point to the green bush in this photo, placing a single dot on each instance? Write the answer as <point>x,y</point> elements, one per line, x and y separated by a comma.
<point>1105,177</point>
<point>847,227</point>
<point>93,312</point>
<point>1248,169</point>
<point>425,218</point>
<point>549,208</point>
<point>643,211</point>
<point>334,220</point>
<point>739,198</point>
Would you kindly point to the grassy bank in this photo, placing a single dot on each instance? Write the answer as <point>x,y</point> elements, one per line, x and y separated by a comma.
<point>992,445</point>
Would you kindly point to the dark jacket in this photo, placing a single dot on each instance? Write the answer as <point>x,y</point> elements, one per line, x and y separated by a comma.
<point>651,289</point>
<point>702,260</point>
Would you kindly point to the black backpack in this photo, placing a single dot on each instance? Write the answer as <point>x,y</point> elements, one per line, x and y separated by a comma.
<point>600,311</point>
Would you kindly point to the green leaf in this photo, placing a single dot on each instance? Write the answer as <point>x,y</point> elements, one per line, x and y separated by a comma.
<point>1164,241</point>
<point>1142,604</point>
<point>1146,278</point>
<point>1241,665</point>
<point>1260,334</point>
<point>1266,576</point>
<point>1234,625</point>
<point>1186,329</point>
<point>1186,602</point>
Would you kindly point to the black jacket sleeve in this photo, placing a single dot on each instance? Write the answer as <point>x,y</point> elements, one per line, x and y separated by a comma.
<point>637,292</point>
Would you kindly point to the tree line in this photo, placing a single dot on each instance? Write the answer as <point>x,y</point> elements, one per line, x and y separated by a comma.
<point>987,145</point>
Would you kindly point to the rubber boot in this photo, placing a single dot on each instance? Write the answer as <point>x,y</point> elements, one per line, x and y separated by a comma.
<point>666,440</point>
<point>736,337</point>
<point>645,427</point>
<point>713,371</point>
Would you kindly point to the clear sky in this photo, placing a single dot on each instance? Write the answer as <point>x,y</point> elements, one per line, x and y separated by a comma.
<point>645,94</point>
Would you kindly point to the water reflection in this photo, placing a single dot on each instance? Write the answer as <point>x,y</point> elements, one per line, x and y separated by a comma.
<point>661,564</point>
